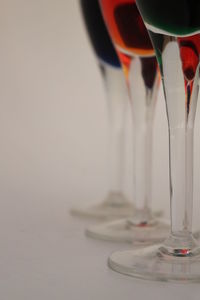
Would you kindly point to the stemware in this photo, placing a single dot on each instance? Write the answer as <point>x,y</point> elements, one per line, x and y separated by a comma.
<point>138,60</point>
<point>174,27</point>
<point>115,203</point>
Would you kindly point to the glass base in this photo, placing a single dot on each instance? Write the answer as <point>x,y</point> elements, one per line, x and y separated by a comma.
<point>151,263</point>
<point>115,206</point>
<point>124,230</point>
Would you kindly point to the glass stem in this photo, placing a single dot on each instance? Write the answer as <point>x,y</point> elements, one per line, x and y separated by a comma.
<point>117,101</point>
<point>181,97</point>
<point>143,83</point>
<point>181,241</point>
<point>181,183</point>
<point>143,164</point>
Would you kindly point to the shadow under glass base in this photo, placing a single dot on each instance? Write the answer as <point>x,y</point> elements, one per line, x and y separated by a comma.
<point>151,264</point>
<point>114,206</point>
<point>123,230</point>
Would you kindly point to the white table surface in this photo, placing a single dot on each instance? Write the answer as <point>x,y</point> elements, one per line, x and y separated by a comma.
<point>47,256</point>
<point>53,128</point>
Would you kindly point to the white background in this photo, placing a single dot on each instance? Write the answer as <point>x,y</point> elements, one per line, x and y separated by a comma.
<point>53,127</point>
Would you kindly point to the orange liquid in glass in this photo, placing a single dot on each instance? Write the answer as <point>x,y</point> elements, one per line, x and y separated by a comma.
<point>126,27</point>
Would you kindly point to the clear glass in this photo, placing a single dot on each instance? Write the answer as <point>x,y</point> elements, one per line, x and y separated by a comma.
<point>177,44</point>
<point>142,78</point>
<point>115,204</point>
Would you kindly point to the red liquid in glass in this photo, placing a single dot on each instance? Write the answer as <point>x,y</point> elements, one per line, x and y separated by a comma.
<point>126,27</point>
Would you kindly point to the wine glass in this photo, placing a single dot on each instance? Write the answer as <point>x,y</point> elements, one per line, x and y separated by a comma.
<point>139,63</point>
<point>115,203</point>
<point>174,28</point>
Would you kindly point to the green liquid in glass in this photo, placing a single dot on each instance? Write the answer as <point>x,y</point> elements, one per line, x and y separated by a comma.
<point>177,17</point>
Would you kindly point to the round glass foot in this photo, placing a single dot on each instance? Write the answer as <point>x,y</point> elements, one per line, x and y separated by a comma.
<point>152,264</point>
<point>115,206</point>
<point>124,230</point>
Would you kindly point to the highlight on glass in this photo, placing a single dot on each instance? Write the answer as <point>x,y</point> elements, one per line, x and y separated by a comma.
<point>115,204</point>
<point>138,60</point>
<point>174,28</point>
